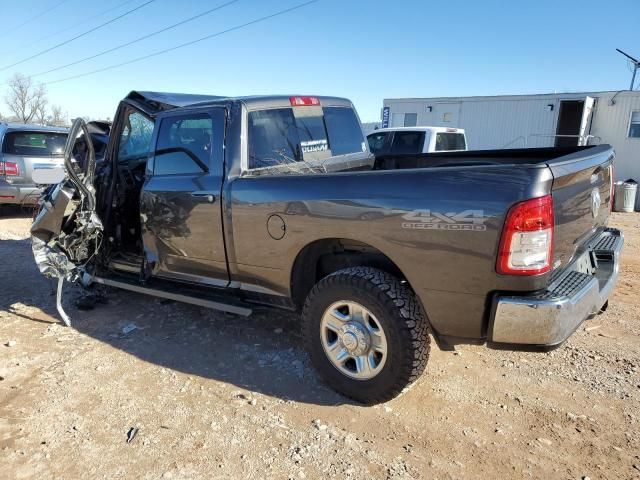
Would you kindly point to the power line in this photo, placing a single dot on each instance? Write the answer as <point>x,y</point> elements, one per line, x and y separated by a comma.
<point>78,36</point>
<point>139,39</point>
<point>58,32</point>
<point>35,17</point>
<point>160,52</point>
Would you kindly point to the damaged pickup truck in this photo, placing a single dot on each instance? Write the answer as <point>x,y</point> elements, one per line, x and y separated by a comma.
<point>230,203</point>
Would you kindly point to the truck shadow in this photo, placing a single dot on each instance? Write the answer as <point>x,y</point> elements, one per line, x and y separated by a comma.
<point>261,353</point>
<point>9,212</point>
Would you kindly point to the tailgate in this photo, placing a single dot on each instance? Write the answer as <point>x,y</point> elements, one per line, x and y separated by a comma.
<point>582,185</point>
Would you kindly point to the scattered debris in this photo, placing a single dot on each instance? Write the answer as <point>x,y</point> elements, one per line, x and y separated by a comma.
<point>606,335</point>
<point>594,327</point>
<point>131,434</point>
<point>56,396</point>
<point>127,329</point>
<point>545,441</point>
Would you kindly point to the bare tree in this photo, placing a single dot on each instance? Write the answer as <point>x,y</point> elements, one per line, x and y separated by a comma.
<point>25,98</point>
<point>41,113</point>
<point>58,118</point>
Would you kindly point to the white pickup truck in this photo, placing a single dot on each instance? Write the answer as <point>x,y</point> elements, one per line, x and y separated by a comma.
<point>407,140</point>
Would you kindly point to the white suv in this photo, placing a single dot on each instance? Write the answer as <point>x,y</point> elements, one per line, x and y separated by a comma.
<point>407,140</point>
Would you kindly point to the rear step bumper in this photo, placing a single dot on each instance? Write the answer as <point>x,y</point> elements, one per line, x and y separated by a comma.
<point>548,319</point>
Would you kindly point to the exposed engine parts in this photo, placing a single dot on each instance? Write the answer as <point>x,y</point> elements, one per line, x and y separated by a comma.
<point>67,232</point>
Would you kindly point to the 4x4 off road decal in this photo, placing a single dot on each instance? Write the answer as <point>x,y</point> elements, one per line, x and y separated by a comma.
<point>468,220</point>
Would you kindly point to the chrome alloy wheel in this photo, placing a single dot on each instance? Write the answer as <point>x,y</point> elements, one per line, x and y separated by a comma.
<point>353,340</point>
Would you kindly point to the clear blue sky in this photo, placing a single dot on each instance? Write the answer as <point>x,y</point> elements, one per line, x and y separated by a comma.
<point>363,50</point>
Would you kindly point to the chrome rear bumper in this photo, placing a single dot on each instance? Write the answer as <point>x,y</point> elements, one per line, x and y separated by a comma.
<point>548,319</point>
<point>17,194</point>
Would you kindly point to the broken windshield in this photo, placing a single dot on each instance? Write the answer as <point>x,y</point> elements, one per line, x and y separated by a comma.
<point>135,141</point>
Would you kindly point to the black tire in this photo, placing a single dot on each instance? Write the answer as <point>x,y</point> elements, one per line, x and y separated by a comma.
<point>397,310</point>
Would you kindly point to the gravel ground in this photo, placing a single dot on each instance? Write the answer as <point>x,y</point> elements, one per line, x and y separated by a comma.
<point>217,396</point>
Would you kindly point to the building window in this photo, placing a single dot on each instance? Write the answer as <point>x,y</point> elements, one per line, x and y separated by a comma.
<point>634,125</point>
<point>397,119</point>
<point>410,119</point>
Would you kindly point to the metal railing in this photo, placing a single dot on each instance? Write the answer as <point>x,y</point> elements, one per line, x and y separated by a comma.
<point>582,139</point>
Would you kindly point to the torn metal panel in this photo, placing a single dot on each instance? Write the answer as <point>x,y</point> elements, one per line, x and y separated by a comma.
<point>67,232</point>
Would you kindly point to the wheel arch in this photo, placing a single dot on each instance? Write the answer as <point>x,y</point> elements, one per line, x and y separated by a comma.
<point>322,257</point>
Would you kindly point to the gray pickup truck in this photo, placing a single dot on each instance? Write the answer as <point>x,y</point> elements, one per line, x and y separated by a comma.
<point>230,203</point>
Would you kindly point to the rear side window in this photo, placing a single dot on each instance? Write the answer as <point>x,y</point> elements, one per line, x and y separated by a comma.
<point>345,133</point>
<point>34,144</point>
<point>450,141</point>
<point>184,144</point>
<point>377,142</point>
<point>284,135</point>
<point>407,142</point>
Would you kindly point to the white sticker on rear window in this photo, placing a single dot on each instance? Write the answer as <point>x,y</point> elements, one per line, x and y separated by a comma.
<point>314,146</point>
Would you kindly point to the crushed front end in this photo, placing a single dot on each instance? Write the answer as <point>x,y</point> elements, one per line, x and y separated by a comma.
<point>67,232</point>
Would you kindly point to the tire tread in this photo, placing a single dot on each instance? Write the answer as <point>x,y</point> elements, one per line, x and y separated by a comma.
<point>409,315</point>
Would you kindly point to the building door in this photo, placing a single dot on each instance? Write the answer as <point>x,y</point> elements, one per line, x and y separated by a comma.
<point>585,122</point>
<point>569,121</point>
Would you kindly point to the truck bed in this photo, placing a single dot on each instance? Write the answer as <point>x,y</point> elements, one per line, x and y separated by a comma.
<point>520,156</point>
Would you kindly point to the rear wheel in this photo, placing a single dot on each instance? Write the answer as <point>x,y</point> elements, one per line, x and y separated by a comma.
<point>366,334</point>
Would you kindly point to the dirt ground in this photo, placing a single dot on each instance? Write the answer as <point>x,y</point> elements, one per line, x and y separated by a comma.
<point>216,396</point>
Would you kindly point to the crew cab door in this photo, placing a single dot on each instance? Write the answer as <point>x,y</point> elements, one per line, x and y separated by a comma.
<point>180,204</point>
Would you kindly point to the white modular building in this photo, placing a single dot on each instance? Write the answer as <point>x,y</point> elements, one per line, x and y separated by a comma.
<point>545,120</point>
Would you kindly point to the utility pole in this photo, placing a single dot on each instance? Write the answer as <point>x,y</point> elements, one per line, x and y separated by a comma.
<point>636,65</point>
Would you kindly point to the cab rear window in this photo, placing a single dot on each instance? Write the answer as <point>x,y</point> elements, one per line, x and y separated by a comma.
<point>286,135</point>
<point>450,141</point>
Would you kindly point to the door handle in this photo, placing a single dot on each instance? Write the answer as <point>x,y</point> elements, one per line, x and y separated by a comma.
<point>204,196</point>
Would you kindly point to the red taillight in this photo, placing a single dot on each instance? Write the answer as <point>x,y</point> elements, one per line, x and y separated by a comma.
<point>304,101</point>
<point>9,169</point>
<point>527,238</point>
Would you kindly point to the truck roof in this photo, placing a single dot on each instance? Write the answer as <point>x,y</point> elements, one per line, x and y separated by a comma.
<point>165,101</point>
<point>419,129</point>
